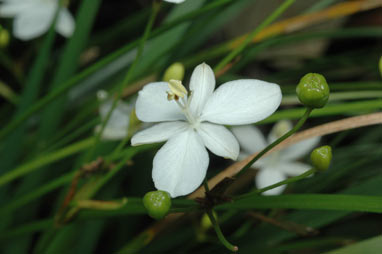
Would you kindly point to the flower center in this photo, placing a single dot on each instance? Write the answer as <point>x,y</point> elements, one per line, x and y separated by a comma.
<point>179,93</point>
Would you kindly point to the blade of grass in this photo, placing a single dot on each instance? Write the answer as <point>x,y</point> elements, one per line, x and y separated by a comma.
<point>93,68</point>
<point>355,203</point>
<point>272,17</point>
<point>27,98</point>
<point>68,65</point>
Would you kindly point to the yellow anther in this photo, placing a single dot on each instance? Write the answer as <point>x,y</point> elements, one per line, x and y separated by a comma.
<point>171,96</point>
<point>177,89</point>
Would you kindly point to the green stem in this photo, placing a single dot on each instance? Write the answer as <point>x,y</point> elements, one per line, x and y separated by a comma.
<point>250,37</point>
<point>219,233</point>
<point>205,184</point>
<point>45,160</point>
<point>287,181</point>
<point>278,141</point>
<point>352,108</point>
<point>127,79</point>
<point>93,68</point>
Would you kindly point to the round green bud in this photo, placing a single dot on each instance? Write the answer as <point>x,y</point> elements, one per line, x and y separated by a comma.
<point>321,157</point>
<point>313,90</point>
<point>174,71</point>
<point>157,203</point>
<point>4,37</point>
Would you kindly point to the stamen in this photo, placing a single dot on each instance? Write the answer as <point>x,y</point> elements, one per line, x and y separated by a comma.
<point>177,88</point>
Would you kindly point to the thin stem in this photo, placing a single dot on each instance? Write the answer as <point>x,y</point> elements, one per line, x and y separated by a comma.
<point>219,233</point>
<point>93,68</point>
<point>287,181</point>
<point>250,37</point>
<point>155,10</point>
<point>205,184</point>
<point>278,141</point>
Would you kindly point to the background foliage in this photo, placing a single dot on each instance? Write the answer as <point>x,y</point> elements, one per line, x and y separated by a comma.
<point>49,108</point>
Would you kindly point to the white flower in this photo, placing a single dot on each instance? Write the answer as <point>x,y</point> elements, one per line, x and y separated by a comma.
<point>34,17</point>
<point>175,1</point>
<point>118,124</point>
<point>194,121</point>
<point>278,165</point>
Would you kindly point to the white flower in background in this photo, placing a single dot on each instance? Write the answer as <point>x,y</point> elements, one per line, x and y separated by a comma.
<point>32,18</point>
<point>175,1</point>
<point>278,165</point>
<point>118,124</point>
<point>193,121</point>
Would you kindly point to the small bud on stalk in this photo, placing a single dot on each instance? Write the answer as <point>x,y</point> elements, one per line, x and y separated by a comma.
<point>157,203</point>
<point>4,37</point>
<point>321,157</point>
<point>313,90</point>
<point>174,71</point>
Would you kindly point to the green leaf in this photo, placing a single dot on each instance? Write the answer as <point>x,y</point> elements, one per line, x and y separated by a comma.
<point>309,201</point>
<point>369,246</point>
<point>68,64</point>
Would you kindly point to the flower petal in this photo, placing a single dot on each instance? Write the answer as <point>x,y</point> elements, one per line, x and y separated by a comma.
<point>175,1</point>
<point>250,138</point>
<point>152,104</point>
<point>118,124</point>
<point>65,23</point>
<point>181,164</point>
<point>159,133</point>
<point>293,168</point>
<point>219,140</point>
<point>12,8</point>
<point>269,176</point>
<point>112,133</point>
<point>242,102</point>
<point>300,149</point>
<point>279,129</point>
<point>31,23</point>
<point>202,85</point>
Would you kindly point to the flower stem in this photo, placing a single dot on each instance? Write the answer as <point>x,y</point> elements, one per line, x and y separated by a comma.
<point>250,37</point>
<point>205,184</point>
<point>127,79</point>
<point>278,141</point>
<point>219,233</point>
<point>287,181</point>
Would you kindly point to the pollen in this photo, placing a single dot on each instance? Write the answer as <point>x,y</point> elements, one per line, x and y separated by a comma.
<point>177,89</point>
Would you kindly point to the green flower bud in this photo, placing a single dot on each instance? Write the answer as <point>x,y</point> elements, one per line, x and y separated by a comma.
<point>313,90</point>
<point>205,222</point>
<point>175,71</point>
<point>4,37</point>
<point>321,157</point>
<point>157,203</point>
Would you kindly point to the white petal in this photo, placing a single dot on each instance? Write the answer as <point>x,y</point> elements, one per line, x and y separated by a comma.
<point>110,133</point>
<point>293,168</point>
<point>279,129</point>
<point>118,124</point>
<point>181,164</point>
<point>242,102</point>
<point>300,149</point>
<point>175,1</point>
<point>269,176</point>
<point>202,85</point>
<point>159,133</point>
<point>65,23</point>
<point>153,106</point>
<point>219,140</point>
<point>12,8</point>
<point>250,138</point>
<point>33,22</point>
